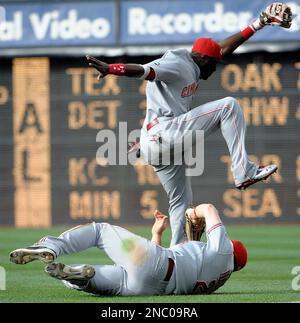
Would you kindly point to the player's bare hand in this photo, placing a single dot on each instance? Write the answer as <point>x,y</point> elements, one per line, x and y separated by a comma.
<point>100,66</point>
<point>277,14</point>
<point>160,224</point>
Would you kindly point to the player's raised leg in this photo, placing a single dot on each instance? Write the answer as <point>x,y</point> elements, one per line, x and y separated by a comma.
<point>228,115</point>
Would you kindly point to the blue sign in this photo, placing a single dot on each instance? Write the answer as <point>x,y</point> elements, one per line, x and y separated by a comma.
<point>167,22</point>
<point>94,23</point>
<point>63,24</point>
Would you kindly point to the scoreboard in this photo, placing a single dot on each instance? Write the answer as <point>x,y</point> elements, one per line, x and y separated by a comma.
<point>51,110</point>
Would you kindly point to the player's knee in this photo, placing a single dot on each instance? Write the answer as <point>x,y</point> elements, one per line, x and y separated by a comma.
<point>231,101</point>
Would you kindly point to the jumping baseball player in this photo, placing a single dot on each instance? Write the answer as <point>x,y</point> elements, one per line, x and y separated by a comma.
<point>174,79</point>
<point>142,267</point>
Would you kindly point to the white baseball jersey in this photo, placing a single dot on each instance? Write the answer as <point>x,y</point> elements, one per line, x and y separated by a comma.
<point>170,94</point>
<point>201,268</point>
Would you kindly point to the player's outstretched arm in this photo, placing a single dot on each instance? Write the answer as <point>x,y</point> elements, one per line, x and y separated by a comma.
<point>130,70</point>
<point>159,226</point>
<point>276,14</point>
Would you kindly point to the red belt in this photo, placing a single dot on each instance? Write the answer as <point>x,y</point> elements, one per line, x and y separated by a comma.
<point>170,270</point>
<point>152,124</point>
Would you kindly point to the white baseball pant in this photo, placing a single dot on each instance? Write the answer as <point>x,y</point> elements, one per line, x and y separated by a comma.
<point>141,266</point>
<point>225,114</point>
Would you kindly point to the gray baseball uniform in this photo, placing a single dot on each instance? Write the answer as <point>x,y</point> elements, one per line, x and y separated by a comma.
<point>141,265</point>
<point>170,101</point>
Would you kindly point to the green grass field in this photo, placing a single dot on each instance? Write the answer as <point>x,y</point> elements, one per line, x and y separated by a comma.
<point>273,252</point>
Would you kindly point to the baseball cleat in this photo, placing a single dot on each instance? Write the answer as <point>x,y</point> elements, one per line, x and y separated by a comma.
<point>70,273</point>
<point>25,255</point>
<point>263,173</point>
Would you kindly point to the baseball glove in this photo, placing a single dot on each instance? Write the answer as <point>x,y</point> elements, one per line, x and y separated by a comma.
<point>194,228</point>
<point>278,14</point>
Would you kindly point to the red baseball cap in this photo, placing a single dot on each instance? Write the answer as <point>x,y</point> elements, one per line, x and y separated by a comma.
<point>209,47</point>
<point>240,255</point>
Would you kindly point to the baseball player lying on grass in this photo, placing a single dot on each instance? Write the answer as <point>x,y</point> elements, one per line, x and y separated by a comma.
<point>142,267</point>
<point>171,115</point>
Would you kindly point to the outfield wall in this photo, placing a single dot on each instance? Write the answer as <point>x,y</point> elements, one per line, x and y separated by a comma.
<point>51,110</point>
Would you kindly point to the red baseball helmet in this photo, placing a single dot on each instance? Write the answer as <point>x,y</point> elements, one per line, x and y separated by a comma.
<point>240,255</point>
<point>209,47</point>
